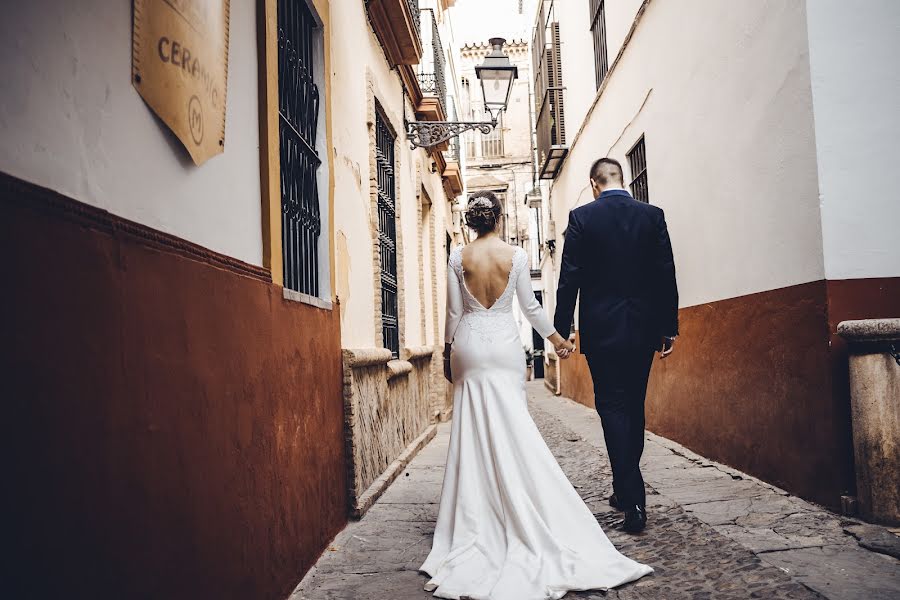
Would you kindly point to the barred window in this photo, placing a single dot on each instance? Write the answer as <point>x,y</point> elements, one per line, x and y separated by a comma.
<point>637,159</point>
<point>598,30</point>
<point>387,232</point>
<point>298,115</point>
<point>492,143</point>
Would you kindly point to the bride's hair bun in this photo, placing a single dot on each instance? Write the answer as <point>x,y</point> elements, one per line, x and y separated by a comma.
<point>483,212</point>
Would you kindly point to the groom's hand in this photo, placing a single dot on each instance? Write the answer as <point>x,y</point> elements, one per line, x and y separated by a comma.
<point>565,350</point>
<point>667,346</point>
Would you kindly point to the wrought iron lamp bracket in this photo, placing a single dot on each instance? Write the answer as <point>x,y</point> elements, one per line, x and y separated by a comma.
<point>428,134</point>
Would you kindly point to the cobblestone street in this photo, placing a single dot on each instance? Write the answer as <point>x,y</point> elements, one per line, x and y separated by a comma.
<point>712,532</point>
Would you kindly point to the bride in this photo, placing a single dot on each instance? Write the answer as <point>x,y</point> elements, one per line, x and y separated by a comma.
<point>510,525</point>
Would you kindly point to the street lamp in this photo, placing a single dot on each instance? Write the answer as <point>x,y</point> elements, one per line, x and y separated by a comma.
<point>496,74</point>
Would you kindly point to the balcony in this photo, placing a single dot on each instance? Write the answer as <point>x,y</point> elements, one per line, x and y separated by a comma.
<point>396,24</point>
<point>548,97</point>
<point>430,75</point>
<point>551,146</point>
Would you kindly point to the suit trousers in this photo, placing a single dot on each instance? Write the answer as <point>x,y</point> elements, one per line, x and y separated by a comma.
<point>620,387</point>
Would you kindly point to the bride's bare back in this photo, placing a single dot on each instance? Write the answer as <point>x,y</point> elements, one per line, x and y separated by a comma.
<point>487,263</point>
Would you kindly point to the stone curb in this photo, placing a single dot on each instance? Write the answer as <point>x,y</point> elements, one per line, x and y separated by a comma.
<point>380,485</point>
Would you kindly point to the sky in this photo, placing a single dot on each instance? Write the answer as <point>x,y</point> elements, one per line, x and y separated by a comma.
<point>479,20</point>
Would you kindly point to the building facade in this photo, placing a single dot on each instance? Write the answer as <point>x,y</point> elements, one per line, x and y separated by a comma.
<point>210,368</point>
<point>392,234</point>
<point>756,128</point>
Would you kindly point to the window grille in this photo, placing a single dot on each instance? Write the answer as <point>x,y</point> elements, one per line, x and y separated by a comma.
<point>298,115</point>
<point>637,158</point>
<point>387,233</point>
<point>598,30</point>
<point>492,143</point>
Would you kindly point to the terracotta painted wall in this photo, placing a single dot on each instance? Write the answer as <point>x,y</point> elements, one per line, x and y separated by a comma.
<point>750,385</point>
<point>753,384</point>
<point>575,378</point>
<point>177,423</point>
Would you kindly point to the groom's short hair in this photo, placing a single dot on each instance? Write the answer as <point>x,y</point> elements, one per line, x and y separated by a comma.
<point>599,174</point>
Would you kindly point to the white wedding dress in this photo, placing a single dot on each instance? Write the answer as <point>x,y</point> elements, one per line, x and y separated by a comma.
<point>510,524</point>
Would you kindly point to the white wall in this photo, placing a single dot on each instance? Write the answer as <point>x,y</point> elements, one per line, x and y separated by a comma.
<point>856,95</point>
<point>620,15</point>
<point>354,240</point>
<point>71,121</point>
<point>722,92</point>
<point>577,51</point>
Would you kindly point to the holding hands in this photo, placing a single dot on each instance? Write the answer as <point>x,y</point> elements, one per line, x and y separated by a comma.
<point>567,350</point>
<point>564,348</point>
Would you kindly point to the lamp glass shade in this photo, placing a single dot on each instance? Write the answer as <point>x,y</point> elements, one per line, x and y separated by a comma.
<point>496,74</point>
<point>496,86</point>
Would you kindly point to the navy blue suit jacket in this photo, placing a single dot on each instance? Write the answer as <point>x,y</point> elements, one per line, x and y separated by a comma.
<point>618,256</point>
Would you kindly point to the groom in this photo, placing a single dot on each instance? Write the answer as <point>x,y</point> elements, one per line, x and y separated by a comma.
<point>617,254</point>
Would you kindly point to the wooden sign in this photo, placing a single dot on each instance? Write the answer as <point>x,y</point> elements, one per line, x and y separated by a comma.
<point>180,68</point>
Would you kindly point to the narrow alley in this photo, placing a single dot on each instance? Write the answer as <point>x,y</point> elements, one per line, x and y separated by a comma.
<point>712,532</point>
<point>238,314</point>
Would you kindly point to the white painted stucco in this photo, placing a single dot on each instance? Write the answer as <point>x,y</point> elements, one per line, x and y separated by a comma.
<point>721,91</point>
<point>620,15</point>
<point>71,121</point>
<point>577,52</point>
<point>856,95</point>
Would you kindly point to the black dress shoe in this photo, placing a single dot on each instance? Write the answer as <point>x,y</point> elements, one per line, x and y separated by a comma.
<point>635,519</point>
<point>614,502</point>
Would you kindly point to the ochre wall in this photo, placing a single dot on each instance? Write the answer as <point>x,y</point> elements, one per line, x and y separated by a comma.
<point>175,424</point>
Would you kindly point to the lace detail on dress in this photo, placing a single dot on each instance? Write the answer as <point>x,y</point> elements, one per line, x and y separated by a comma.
<point>487,322</point>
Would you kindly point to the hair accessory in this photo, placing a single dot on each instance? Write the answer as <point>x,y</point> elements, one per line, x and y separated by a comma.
<point>480,202</point>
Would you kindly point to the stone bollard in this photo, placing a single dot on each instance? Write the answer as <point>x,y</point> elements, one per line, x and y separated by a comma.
<point>875,409</point>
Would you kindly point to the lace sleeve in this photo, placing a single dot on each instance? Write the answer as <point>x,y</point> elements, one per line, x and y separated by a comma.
<point>454,297</point>
<point>531,308</point>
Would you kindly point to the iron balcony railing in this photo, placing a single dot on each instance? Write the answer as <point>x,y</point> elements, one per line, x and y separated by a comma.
<point>417,18</point>
<point>431,74</point>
